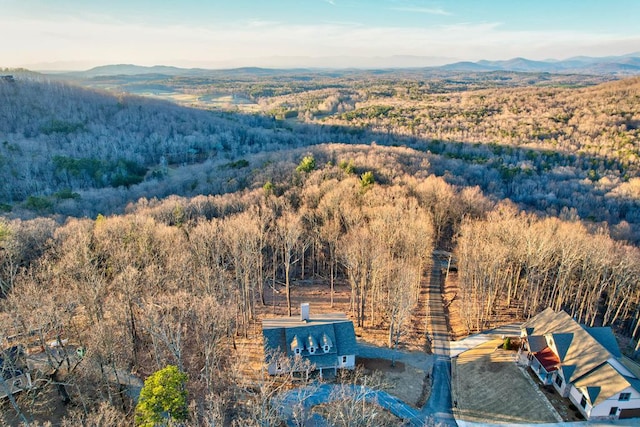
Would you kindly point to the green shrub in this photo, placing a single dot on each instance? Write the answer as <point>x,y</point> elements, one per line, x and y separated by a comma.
<point>238,164</point>
<point>347,167</point>
<point>507,343</point>
<point>366,180</point>
<point>40,204</point>
<point>66,194</point>
<point>268,188</point>
<point>307,164</point>
<point>163,398</point>
<point>59,126</point>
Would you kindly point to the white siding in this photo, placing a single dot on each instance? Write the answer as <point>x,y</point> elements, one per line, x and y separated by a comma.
<point>602,410</point>
<point>563,390</point>
<point>576,397</point>
<point>348,362</point>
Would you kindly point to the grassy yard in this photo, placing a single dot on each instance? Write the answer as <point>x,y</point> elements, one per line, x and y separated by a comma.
<point>489,387</point>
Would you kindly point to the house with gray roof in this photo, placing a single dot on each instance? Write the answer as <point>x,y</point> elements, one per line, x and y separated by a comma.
<point>14,373</point>
<point>584,364</point>
<point>326,341</point>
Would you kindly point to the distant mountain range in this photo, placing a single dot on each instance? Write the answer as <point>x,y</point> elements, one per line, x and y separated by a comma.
<point>627,64</point>
<point>614,65</point>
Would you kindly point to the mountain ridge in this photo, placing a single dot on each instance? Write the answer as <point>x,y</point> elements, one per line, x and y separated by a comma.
<point>628,64</point>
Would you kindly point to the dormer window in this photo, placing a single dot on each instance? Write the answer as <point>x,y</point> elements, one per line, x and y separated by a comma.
<point>326,343</point>
<point>296,345</point>
<point>312,344</point>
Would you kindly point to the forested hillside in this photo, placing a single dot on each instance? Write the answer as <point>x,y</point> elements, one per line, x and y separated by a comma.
<point>178,281</point>
<point>56,136</point>
<point>150,234</point>
<point>559,151</point>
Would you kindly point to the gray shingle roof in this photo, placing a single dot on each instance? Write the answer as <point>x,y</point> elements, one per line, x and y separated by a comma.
<point>576,347</point>
<point>604,335</point>
<point>537,343</point>
<point>285,334</point>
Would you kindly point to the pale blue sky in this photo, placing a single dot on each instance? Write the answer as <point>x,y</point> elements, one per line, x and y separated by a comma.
<point>84,33</point>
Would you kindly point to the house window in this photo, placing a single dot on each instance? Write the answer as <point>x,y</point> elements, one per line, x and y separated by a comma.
<point>278,366</point>
<point>17,383</point>
<point>344,359</point>
<point>297,350</point>
<point>613,411</point>
<point>624,397</point>
<point>312,350</point>
<point>583,402</point>
<point>558,380</point>
<point>326,349</point>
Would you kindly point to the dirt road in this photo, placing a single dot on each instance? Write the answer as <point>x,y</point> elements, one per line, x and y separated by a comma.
<point>438,409</point>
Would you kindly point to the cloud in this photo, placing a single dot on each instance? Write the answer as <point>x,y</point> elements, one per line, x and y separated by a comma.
<point>425,10</point>
<point>106,41</point>
<point>254,23</point>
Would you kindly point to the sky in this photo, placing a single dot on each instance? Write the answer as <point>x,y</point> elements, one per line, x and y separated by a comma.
<point>79,34</point>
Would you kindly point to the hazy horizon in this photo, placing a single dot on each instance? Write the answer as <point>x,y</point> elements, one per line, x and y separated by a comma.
<point>73,35</point>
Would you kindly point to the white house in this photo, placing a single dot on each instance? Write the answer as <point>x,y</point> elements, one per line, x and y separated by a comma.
<point>327,341</point>
<point>584,364</point>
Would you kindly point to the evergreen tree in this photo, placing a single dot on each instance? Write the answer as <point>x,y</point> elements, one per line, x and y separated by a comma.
<point>163,398</point>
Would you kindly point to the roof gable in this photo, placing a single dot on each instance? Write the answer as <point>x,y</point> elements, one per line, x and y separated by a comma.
<point>562,343</point>
<point>296,344</point>
<point>601,384</point>
<point>575,347</point>
<point>567,371</point>
<point>326,340</point>
<point>635,383</point>
<point>592,393</point>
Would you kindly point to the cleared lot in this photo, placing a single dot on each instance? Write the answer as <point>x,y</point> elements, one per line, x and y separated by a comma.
<point>489,387</point>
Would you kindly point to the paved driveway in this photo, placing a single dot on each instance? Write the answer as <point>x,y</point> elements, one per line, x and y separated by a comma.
<point>310,396</point>
<point>437,410</point>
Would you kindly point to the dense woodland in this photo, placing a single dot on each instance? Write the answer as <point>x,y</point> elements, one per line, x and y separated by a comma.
<point>77,152</point>
<point>149,233</point>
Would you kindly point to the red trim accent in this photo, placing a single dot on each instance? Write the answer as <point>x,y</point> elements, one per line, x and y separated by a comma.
<point>548,359</point>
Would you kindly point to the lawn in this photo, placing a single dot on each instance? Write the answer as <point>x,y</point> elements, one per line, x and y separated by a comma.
<point>489,387</point>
